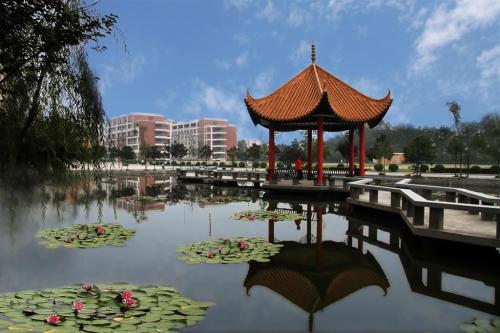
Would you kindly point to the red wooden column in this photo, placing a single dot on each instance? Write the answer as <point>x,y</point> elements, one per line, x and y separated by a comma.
<point>271,153</point>
<point>362,149</point>
<point>320,150</point>
<point>351,152</point>
<point>319,236</point>
<point>309,151</point>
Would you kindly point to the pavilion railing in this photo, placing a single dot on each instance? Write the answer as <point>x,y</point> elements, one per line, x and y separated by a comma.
<point>293,174</point>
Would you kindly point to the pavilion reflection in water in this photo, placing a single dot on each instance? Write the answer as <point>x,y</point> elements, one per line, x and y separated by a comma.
<point>315,275</point>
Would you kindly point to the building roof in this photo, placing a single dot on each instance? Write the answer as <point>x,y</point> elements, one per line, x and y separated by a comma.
<point>312,93</point>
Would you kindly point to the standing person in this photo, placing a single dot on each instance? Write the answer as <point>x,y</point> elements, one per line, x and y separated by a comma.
<point>298,167</point>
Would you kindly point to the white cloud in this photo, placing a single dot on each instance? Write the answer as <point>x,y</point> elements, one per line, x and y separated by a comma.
<point>370,87</point>
<point>242,38</point>
<point>125,72</point>
<point>445,26</point>
<point>222,64</point>
<point>301,54</point>
<point>262,83</point>
<point>296,16</point>
<point>240,5</point>
<point>489,64</point>
<point>270,12</point>
<point>241,60</point>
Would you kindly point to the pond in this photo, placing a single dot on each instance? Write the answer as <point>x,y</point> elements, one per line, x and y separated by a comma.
<point>333,272</point>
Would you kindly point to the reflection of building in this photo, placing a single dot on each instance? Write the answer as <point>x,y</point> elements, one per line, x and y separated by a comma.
<point>219,135</point>
<point>127,130</point>
<point>314,276</point>
<point>428,267</point>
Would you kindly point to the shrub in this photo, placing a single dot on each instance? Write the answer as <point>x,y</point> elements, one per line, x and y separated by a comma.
<point>183,163</point>
<point>188,163</point>
<point>255,164</point>
<point>438,168</point>
<point>242,164</point>
<point>393,167</point>
<point>204,163</point>
<point>475,169</point>
<point>494,169</point>
<point>174,163</point>
<point>167,163</point>
<point>214,164</point>
<point>378,167</point>
<point>198,163</point>
<point>222,164</point>
<point>234,164</point>
<point>263,165</point>
<point>424,168</point>
<point>279,165</point>
<point>340,165</point>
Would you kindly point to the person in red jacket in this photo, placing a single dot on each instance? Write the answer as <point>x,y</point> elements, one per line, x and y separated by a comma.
<point>298,167</point>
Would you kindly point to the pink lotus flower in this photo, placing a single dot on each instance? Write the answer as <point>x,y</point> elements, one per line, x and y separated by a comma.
<point>78,306</point>
<point>129,302</point>
<point>100,230</point>
<point>87,286</point>
<point>221,248</point>
<point>243,245</point>
<point>126,294</point>
<point>68,239</point>
<point>210,255</point>
<point>53,319</point>
<point>83,226</point>
<point>78,234</point>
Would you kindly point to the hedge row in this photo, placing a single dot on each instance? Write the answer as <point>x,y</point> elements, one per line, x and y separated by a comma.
<point>439,168</point>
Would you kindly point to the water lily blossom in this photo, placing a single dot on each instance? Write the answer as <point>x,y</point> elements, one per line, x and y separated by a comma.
<point>129,302</point>
<point>78,306</point>
<point>87,286</point>
<point>243,245</point>
<point>126,294</point>
<point>53,319</point>
<point>68,239</point>
<point>221,248</point>
<point>210,255</point>
<point>78,234</point>
<point>100,230</point>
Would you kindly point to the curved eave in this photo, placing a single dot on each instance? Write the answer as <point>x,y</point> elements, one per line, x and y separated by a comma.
<point>322,108</point>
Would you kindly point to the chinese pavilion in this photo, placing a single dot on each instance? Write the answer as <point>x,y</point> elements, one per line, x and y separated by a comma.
<point>317,100</point>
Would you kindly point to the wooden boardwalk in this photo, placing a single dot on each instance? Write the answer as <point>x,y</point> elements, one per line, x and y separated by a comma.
<point>476,223</point>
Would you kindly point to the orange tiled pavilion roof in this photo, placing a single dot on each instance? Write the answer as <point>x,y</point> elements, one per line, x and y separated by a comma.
<point>315,92</point>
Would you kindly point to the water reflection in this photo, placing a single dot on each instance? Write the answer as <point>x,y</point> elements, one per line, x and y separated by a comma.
<point>314,276</point>
<point>328,263</point>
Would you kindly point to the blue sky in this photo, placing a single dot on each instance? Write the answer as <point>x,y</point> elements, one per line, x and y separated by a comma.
<point>192,59</point>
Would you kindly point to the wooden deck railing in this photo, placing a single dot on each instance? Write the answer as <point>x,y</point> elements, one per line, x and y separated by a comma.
<point>411,204</point>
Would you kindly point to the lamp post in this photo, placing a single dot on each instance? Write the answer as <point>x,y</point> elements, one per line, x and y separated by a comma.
<point>466,150</point>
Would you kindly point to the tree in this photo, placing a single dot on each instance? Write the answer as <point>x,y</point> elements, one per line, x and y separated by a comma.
<point>489,138</point>
<point>382,149</point>
<point>144,147</point>
<point>455,109</point>
<point>155,153</point>
<point>288,154</point>
<point>456,148</point>
<point>177,150</point>
<point>343,148</point>
<point>420,150</point>
<point>51,115</point>
<point>253,152</point>
<point>127,153</point>
<point>205,152</point>
<point>231,154</point>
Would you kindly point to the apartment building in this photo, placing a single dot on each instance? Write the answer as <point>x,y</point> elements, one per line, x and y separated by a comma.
<point>218,134</point>
<point>127,130</point>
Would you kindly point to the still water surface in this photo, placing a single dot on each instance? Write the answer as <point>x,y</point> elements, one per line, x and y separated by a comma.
<point>427,288</point>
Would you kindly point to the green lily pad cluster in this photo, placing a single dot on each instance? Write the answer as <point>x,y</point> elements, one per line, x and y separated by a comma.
<point>264,215</point>
<point>481,326</point>
<point>229,251</point>
<point>101,309</point>
<point>86,236</point>
<point>226,199</point>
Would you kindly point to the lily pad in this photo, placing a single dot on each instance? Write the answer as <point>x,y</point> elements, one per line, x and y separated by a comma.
<point>228,251</point>
<point>264,215</point>
<point>86,236</point>
<point>101,308</point>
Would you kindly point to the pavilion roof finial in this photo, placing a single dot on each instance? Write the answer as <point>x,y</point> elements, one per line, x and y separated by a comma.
<point>313,52</point>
